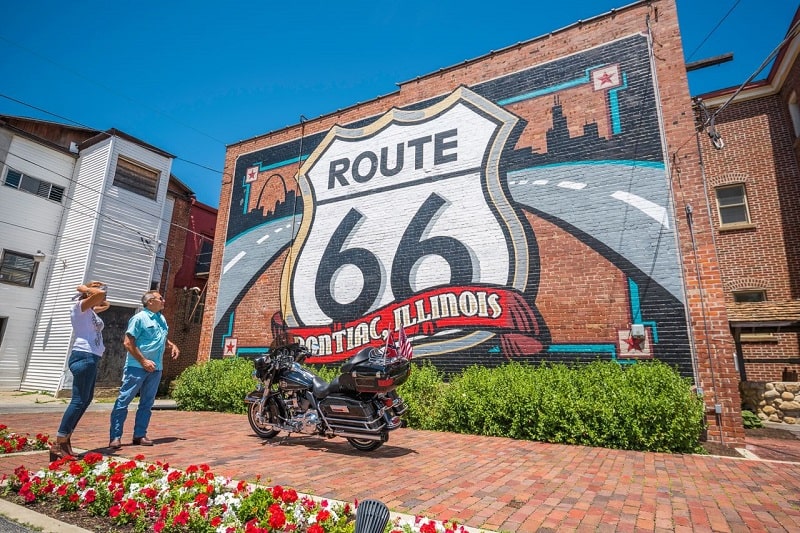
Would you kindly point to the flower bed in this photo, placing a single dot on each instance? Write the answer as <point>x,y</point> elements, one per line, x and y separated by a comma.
<point>16,442</point>
<point>134,495</point>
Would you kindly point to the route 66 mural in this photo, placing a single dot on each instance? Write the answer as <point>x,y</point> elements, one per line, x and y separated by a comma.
<point>491,222</point>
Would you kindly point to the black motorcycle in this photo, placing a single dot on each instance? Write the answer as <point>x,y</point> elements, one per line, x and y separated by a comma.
<point>360,404</point>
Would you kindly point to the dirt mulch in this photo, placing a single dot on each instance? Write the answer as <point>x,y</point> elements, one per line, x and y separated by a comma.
<point>752,435</point>
<point>80,518</point>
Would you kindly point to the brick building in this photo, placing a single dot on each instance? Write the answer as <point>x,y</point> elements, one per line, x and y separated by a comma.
<point>543,202</point>
<point>184,275</point>
<point>80,204</point>
<point>754,199</point>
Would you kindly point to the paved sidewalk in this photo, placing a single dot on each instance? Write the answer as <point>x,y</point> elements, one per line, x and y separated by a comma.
<point>491,483</point>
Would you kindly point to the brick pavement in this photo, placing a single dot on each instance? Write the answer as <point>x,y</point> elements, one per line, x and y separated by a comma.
<point>490,483</point>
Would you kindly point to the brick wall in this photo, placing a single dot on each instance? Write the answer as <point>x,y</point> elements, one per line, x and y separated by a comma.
<point>587,204</point>
<point>759,151</point>
<point>183,331</point>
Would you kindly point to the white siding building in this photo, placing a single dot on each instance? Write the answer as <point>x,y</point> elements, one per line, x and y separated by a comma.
<point>75,205</point>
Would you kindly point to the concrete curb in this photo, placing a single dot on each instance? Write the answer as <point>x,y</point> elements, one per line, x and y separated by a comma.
<point>28,518</point>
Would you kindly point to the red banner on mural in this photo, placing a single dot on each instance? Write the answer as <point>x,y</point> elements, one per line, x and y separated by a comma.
<point>433,311</point>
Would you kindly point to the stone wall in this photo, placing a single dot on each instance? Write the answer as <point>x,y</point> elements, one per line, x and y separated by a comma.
<point>772,401</point>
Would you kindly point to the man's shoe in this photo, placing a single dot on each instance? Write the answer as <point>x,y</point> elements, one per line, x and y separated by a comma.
<point>142,441</point>
<point>115,444</point>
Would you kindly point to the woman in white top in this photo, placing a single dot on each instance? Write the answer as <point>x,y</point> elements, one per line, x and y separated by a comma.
<point>86,352</point>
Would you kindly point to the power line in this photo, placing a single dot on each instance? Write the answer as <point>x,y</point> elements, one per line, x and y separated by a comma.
<point>111,90</point>
<point>713,30</point>
<point>102,193</point>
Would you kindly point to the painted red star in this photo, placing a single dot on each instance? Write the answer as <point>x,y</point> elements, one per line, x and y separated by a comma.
<point>605,78</point>
<point>634,343</point>
<point>229,347</point>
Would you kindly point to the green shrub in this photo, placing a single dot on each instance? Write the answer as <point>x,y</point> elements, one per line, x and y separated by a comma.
<point>645,406</point>
<point>421,392</point>
<point>750,420</point>
<point>217,385</point>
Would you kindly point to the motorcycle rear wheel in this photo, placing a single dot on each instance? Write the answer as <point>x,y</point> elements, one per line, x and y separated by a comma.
<point>364,445</point>
<point>265,431</point>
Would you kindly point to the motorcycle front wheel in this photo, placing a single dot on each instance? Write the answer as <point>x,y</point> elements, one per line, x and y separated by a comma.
<point>264,429</point>
<point>364,445</point>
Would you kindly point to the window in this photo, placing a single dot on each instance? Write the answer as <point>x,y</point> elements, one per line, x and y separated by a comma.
<point>794,113</point>
<point>750,296</point>
<point>732,204</point>
<point>136,178</point>
<point>203,264</point>
<point>17,268</point>
<point>26,183</point>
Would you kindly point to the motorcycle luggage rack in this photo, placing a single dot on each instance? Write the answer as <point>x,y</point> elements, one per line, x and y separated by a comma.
<point>378,356</point>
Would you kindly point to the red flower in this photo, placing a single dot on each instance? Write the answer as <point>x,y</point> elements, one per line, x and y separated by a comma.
<point>277,491</point>
<point>61,490</point>
<point>173,476</point>
<point>315,528</point>
<point>192,469</point>
<point>139,457</point>
<point>90,496</point>
<point>289,496</point>
<point>276,517</point>
<point>130,506</point>
<point>429,527</point>
<point>201,499</point>
<point>149,493</point>
<point>114,511</point>
<point>75,468</point>
<point>74,498</point>
<point>158,527</point>
<point>323,515</point>
<point>216,521</point>
<point>92,458</point>
<point>181,519</point>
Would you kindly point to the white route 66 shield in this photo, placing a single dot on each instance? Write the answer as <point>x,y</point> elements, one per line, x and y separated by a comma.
<point>411,202</point>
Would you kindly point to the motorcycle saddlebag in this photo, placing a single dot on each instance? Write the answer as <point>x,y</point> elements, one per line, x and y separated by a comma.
<point>369,376</point>
<point>344,413</point>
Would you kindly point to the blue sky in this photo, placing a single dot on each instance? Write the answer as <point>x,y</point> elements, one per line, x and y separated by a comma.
<point>192,77</point>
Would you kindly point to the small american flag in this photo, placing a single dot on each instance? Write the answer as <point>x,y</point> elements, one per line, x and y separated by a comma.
<point>403,346</point>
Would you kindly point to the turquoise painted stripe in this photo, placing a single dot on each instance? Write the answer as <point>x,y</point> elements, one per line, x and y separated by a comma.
<point>636,310</point>
<point>549,90</point>
<point>613,100</point>
<point>262,167</point>
<point>230,330</point>
<point>584,348</point>
<point>246,202</point>
<point>620,162</point>
<point>251,350</point>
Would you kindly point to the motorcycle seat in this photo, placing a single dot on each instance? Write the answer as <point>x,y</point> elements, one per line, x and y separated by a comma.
<point>321,388</point>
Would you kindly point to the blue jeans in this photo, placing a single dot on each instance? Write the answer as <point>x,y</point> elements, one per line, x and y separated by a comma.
<point>135,380</point>
<point>83,366</point>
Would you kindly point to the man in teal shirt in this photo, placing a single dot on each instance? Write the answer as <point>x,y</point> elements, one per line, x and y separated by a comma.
<point>145,340</point>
